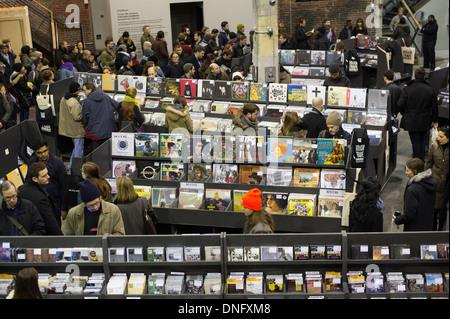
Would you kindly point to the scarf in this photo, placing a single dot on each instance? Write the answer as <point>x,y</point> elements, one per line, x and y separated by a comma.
<point>247,122</point>
<point>129,99</point>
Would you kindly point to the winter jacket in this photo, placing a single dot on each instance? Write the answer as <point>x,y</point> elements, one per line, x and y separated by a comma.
<point>28,217</point>
<point>341,134</point>
<point>429,32</point>
<point>316,123</point>
<point>145,38</point>
<point>23,90</point>
<point>394,92</point>
<point>419,200</point>
<point>107,58</point>
<point>223,38</point>
<point>178,119</point>
<point>341,80</point>
<point>129,43</point>
<point>373,221</point>
<point>66,71</point>
<point>138,118</point>
<point>322,43</point>
<point>437,161</point>
<point>5,110</point>
<point>132,216</point>
<point>71,118</point>
<point>418,106</point>
<point>99,114</point>
<point>51,216</point>
<point>174,71</point>
<point>110,220</point>
<point>160,48</point>
<point>84,65</point>
<point>402,31</point>
<point>241,127</point>
<point>57,172</point>
<point>301,39</point>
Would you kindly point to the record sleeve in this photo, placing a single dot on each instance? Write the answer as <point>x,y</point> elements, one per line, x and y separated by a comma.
<point>306,177</point>
<point>337,96</point>
<point>146,144</point>
<point>304,151</point>
<point>172,171</point>
<point>330,151</point>
<point>188,88</point>
<point>301,252</point>
<point>191,195</point>
<point>275,202</point>
<point>275,110</point>
<point>224,148</point>
<point>237,200</point>
<point>279,149</point>
<point>332,178</point>
<point>277,93</point>
<point>318,57</point>
<point>201,106</point>
<point>356,98</point>
<point>155,86</point>
<point>297,93</point>
<point>316,71</point>
<point>225,173</point>
<point>287,57</point>
<point>428,251</point>
<point>163,196</point>
<point>314,91</point>
<point>122,144</point>
<point>124,168</point>
<point>303,57</point>
<point>171,145</point>
<point>222,90</point>
<point>147,169</point>
<point>330,207</point>
<point>251,174</point>
<point>205,89</point>
<point>281,176</point>
<point>300,71</point>
<point>302,204</point>
<point>400,251</point>
<point>199,172</point>
<point>217,199</point>
<point>172,87</point>
<point>380,252</point>
<point>239,90</point>
<point>109,82</point>
<point>251,253</point>
<point>258,92</point>
<point>356,117</point>
<point>377,99</point>
<point>219,107</point>
<point>249,149</point>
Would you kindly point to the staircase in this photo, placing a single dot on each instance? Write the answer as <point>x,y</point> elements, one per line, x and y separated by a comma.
<point>390,8</point>
<point>42,25</point>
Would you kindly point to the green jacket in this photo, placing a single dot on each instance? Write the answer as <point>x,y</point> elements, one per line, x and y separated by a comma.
<point>108,58</point>
<point>110,221</point>
<point>437,160</point>
<point>177,119</point>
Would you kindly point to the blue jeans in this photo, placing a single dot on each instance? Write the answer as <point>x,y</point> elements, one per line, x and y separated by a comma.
<point>77,150</point>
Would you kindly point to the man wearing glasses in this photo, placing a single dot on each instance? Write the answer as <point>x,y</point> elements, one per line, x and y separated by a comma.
<point>18,217</point>
<point>57,172</point>
<point>94,216</point>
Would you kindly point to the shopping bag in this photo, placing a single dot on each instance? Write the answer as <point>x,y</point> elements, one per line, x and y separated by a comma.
<point>433,136</point>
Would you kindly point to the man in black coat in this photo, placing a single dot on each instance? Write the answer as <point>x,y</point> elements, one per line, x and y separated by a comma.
<point>315,120</point>
<point>32,190</point>
<point>57,171</point>
<point>22,210</point>
<point>418,106</point>
<point>197,59</point>
<point>429,38</point>
<point>394,91</point>
<point>337,77</point>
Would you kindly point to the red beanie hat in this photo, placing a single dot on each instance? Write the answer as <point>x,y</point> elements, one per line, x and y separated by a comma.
<point>252,200</point>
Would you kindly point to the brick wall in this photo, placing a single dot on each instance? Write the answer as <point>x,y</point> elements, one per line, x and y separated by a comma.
<point>338,11</point>
<point>75,34</point>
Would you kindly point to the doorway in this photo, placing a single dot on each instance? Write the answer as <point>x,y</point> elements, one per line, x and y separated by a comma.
<point>190,13</point>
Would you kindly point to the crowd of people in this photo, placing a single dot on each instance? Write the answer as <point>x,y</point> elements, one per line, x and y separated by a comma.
<point>40,205</point>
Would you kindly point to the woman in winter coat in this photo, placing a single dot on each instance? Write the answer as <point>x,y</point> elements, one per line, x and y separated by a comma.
<point>131,206</point>
<point>419,198</point>
<point>178,117</point>
<point>437,161</point>
<point>365,209</point>
<point>19,80</point>
<point>174,68</point>
<point>402,31</point>
<point>292,126</point>
<point>258,219</point>
<point>129,110</point>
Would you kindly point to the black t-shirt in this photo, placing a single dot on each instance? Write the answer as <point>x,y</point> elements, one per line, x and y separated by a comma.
<point>91,221</point>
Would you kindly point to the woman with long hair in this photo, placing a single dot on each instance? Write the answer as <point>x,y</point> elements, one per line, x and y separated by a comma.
<point>292,125</point>
<point>438,161</point>
<point>365,209</point>
<point>26,285</point>
<point>258,220</point>
<point>131,206</point>
<point>129,110</point>
<point>419,198</point>
<point>91,171</point>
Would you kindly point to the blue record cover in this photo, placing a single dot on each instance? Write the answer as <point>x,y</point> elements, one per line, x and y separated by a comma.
<point>287,57</point>
<point>146,144</point>
<point>279,149</point>
<point>330,151</point>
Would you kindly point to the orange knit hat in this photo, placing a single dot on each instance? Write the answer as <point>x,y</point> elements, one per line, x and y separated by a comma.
<point>252,200</point>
